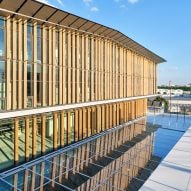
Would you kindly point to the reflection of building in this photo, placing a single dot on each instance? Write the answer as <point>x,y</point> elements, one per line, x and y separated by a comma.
<point>68,79</point>
<point>181,104</point>
<point>155,106</point>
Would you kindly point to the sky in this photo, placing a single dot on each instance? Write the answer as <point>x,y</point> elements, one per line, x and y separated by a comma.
<point>163,26</point>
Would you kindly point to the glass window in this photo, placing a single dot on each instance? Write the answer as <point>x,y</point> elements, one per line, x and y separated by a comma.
<point>49,132</point>
<point>39,67</point>
<point>2,65</point>
<point>72,123</point>
<point>2,70</point>
<point>65,129</point>
<point>59,130</point>
<point>21,134</point>
<point>2,22</point>
<point>39,133</point>
<point>2,86</point>
<point>29,42</point>
<point>39,84</point>
<point>38,44</point>
<point>2,37</point>
<point>29,71</point>
<point>30,137</point>
<point>2,42</point>
<point>6,144</point>
<point>29,85</point>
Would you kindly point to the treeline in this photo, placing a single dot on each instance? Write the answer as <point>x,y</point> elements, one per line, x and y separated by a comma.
<point>184,88</point>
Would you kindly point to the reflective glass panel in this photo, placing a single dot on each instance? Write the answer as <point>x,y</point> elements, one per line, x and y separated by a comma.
<point>6,144</point>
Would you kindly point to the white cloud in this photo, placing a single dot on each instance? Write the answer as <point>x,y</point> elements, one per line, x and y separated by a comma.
<point>44,1</point>
<point>90,5</point>
<point>94,9</point>
<point>133,1</point>
<point>123,6</point>
<point>87,2</point>
<point>60,2</point>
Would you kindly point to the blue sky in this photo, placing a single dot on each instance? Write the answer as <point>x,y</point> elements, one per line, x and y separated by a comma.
<point>163,26</point>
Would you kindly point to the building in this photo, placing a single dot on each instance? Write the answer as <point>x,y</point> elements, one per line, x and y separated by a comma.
<point>180,104</point>
<point>175,92</point>
<point>66,80</point>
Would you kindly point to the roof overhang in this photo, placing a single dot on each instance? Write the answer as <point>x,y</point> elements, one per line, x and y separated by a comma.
<point>49,15</point>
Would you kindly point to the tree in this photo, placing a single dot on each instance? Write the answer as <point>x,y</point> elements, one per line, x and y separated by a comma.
<point>162,100</point>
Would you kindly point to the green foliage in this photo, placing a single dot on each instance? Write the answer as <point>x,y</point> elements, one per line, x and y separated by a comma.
<point>162,100</point>
<point>184,88</point>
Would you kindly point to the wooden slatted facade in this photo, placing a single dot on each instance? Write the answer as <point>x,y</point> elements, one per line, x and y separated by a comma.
<point>78,68</point>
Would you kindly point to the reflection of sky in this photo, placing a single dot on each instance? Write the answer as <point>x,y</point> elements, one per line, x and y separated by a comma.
<point>166,138</point>
<point>1,42</point>
<point>2,70</point>
<point>4,186</point>
<point>2,66</point>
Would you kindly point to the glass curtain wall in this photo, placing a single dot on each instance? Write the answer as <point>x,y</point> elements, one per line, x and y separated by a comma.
<point>37,135</point>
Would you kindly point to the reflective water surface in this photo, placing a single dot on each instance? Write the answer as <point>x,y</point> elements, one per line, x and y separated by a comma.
<point>170,130</point>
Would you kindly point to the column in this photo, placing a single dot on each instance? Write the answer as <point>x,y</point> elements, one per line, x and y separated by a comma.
<point>60,64</point>
<point>16,141</point>
<point>8,64</point>
<point>20,68</point>
<point>92,69</point>
<point>55,130</point>
<point>73,84</point>
<point>14,68</point>
<point>25,64</point>
<point>64,66</point>
<point>34,138</point>
<point>77,87</point>
<point>35,63</point>
<point>69,67</point>
<point>27,133</point>
<point>53,65</point>
<point>43,135</point>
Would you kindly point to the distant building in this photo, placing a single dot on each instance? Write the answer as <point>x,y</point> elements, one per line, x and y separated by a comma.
<point>180,104</point>
<point>168,91</point>
<point>174,108</point>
